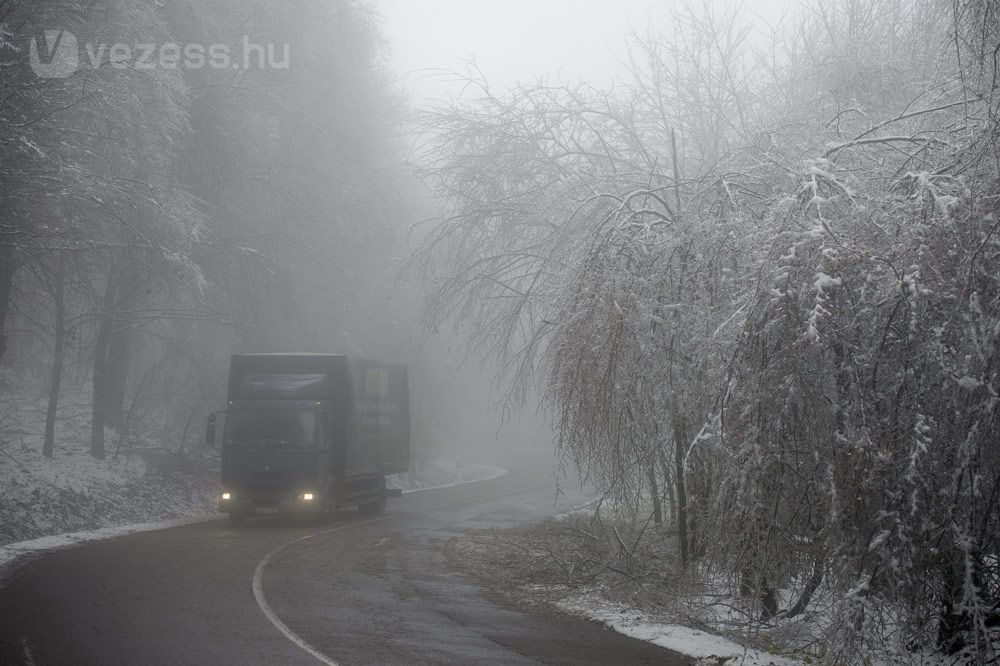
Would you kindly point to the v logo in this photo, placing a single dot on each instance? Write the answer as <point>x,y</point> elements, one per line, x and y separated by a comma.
<point>45,54</point>
<point>54,54</point>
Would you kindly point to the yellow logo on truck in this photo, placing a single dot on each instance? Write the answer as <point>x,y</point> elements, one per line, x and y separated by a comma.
<point>378,382</point>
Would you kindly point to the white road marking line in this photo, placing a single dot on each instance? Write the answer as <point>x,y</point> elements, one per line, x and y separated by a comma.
<point>29,658</point>
<point>258,574</point>
<point>258,591</point>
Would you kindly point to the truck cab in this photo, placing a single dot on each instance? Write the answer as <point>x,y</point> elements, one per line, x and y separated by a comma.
<point>278,454</point>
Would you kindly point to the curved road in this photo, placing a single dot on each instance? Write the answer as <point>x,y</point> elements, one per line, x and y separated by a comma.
<point>375,591</point>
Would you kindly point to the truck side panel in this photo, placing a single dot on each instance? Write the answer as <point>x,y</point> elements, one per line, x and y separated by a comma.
<point>381,419</point>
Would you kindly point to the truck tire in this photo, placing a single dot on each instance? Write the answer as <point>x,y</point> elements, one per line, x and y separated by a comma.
<point>329,512</point>
<point>374,508</point>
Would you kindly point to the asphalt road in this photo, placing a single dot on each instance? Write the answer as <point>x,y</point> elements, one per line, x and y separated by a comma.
<point>360,591</point>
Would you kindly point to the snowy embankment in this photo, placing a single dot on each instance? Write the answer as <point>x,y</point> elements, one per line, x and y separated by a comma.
<point>12,551</point>
<point>71,492</point>
<point>138,482</point>
<point>72,498</point>
<point>709,649</point>
<point>623,576</point>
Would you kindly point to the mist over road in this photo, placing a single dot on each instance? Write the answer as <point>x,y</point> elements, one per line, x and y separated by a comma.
<point>359,591</point>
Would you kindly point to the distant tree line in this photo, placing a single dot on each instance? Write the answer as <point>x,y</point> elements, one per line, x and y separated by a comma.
<point>154,219</point>
<point>760,288</point>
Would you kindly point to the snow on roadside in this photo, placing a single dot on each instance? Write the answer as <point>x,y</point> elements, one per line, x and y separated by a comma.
<point>438,473</point>
<point>710,649</point>
<point>12,551</point>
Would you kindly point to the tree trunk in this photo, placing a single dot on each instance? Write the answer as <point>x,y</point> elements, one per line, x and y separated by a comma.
<point>116,372</point>
<point>746,582</point>
<point>694,538</point>
<point>7,269</point>
<point>700,492</point>
<point>655,492</point>
<point>673,503</point>
<point>57,362</point>
<point>668,485</point>
<point>811,586</point>
<point>680,443</point>
<point>100,379</point>
<point>768,599</point>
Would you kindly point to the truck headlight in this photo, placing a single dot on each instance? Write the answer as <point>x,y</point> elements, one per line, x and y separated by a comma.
<point>226,497</point>
<point>308,497</point>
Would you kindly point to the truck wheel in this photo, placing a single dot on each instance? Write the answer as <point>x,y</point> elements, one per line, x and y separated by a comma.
<point>328,513</point>
<point>237,519</point>
<point>374,508</point>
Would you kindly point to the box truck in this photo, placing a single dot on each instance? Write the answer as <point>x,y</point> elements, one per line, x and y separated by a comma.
<point>310,434</point>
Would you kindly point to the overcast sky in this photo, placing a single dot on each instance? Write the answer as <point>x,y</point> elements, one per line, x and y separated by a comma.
<point>517,40</point>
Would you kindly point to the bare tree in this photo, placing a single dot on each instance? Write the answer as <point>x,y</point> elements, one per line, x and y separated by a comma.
<point>795,303</point>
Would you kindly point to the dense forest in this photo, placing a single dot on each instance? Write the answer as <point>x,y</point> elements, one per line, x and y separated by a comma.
<point>155,219</point>
<point>758,283</point>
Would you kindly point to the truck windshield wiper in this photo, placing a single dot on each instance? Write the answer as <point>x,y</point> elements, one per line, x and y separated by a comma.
<point>259,443</point>
<point>269,443</point>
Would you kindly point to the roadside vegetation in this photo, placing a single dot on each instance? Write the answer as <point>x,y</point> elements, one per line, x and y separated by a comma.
<point>758,283</point>
<point>620,570</point>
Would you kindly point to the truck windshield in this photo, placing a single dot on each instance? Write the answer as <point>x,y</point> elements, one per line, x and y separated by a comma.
<point>271,428</point>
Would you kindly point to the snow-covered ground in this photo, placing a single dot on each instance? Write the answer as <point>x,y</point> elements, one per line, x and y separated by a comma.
<point>73,491</point>
<point>139,481</point>
<point>597,569</point>
<point>442,472</point>
<point>709,649</point>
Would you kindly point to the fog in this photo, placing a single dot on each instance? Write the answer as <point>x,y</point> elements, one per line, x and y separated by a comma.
<point>241,248</point>
<point>730,268</point>
<point>521,41</point>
